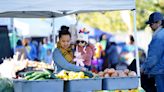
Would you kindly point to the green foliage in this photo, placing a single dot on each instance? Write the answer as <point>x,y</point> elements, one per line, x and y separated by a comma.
<point>144,9</point>
<point>6,85</point>
<point>111,21</point>
<point>104,21</point>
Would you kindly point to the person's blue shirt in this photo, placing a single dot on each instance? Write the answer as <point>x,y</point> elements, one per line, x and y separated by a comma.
<point>62,63</point>
<point>128,48</point>
<point>113,56</point>
<point>155,60</point>
<point>32,53</point>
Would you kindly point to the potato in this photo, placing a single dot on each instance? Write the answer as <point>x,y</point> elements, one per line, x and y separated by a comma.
<point>101,74</point>
<point>122,74</point>
<point>115,74</point>
<point>132,74</point>
<point>111,71</point>
<point>126,71</point>
<point>106,70</point>
<point>106,75</point>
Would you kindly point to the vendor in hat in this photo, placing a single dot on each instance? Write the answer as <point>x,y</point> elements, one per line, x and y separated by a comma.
<point>154,64</point>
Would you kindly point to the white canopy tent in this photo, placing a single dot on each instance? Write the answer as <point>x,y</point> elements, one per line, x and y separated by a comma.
<point>38,27</point>
<point>32,27</point>
<point>57,8</point>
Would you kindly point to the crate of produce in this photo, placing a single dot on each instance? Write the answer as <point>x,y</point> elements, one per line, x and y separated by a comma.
<point>83,85</point>
<point>120,83</point>
<point>55,85</point>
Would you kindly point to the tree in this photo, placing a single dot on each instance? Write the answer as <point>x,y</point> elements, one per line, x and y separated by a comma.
<point>111,21</point>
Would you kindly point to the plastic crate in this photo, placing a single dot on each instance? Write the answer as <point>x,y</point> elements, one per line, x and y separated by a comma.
<point>38,85</point>
<point>83,85</point>
<point>114,83</point>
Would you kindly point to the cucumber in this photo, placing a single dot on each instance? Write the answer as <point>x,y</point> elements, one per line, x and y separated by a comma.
<point>29,73</point>
<point>41,78</point>
<point>88,73</point>
<point>29,77</point>
<point>36,73</point>
<point>32,75</point>
<point>47,77</point>
<point>52,76</point>
<point>48,71</point>
<point>37,77</point>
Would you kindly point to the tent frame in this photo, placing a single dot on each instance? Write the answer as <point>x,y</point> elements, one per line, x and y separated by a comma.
<point>54,8</point>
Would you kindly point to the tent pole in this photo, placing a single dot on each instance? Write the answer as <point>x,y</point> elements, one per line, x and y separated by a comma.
<point>136,44</point>
<point>53,31</point>
<point>13,33</point>
<point>77,19</point>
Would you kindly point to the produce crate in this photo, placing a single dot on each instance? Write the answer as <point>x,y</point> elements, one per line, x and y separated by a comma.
<point>83,85</point>
<point>38,85</point>
<point>120,83</point>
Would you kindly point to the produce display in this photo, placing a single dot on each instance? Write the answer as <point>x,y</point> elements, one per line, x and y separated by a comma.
<point>39,65</point>
<point>11,66</point>
<point>39,75</point>
<point>130,90</point>
<point>70,75</point>
<point>65,75</point>
<point>117,73</point>
<point>33,70</point>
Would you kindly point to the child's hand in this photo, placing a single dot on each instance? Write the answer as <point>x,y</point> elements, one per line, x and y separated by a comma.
<point>77,54</point>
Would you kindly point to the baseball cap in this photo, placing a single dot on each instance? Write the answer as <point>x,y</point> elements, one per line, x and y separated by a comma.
<point>154,17</point>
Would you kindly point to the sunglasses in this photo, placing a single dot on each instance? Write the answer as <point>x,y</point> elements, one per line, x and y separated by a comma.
<point>80,41</point>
